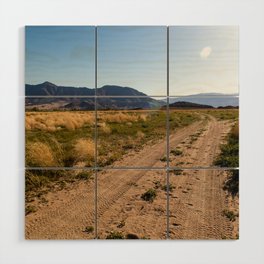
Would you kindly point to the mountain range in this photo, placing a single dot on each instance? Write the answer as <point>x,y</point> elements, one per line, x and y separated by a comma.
<point>50,89</point>
<point>183,104</point>
<point>78,101</point>
<point>40,97</point>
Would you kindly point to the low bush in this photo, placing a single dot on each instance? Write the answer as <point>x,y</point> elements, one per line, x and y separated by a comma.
<point>163,159</point>
<point>149,195</point>
<point>30,209</point>
<point>176,152</point>
<point>229,157</point>
<point>230,215</point>
<point>177,172</point>
<point>231,185</point>
<point>89,229</point>
<point>170,187</point>
<point>115,235</point>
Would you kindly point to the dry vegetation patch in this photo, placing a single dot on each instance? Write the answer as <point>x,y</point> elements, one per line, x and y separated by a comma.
<point>84,150</point>
<point>54,121</point>
<point>122,116</point>
<point>40,155</point>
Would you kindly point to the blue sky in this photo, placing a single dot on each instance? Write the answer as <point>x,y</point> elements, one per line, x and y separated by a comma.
<point>202,59</point>
<point>134,57</point>
<point>64,55</point>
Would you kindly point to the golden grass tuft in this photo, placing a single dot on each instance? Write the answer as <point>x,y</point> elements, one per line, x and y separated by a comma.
<point>53,121</point>
<point>84,150</point>
<point>143,117</point>
<point>40,154</point>
<point>122,116</point>
<point>105,128</point>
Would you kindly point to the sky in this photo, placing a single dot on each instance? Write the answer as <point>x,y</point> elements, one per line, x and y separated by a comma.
<point>202,59</point>
<point>134,57</point>
<point>63,55</point>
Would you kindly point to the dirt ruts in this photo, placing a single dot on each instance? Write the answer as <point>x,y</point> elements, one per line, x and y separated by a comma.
<point>196,199</point>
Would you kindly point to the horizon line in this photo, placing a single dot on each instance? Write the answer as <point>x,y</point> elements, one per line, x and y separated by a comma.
<point>206,94</point>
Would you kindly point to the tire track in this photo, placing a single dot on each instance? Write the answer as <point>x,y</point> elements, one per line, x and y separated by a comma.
<point>70,211</point>
<point>196,212</point>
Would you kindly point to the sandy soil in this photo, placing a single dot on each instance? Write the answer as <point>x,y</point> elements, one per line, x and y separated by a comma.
<point>197,203</point>
<point>121,209</point>
<point>200,148</point>
<point>196,200</point>
<point>65,215</point>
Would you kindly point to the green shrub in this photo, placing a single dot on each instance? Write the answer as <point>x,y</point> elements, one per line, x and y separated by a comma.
<point>170,187</point>
<point>229,157</point>
<point>177,172</point>
<point>149,195</point>
<point>115,235</point>
<point>30,209</point>
<point>84,175</point>
<point>163,159</point>
<point>176,152</point>
<point>232,183</point>
<point>89,229</point>
<point>230,215</point>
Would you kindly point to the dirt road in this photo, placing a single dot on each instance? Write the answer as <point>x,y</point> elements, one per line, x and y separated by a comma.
<point>195,212</point>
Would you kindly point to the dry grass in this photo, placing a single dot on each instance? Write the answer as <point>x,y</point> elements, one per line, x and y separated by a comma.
<point>84,150</point>
<point>40,154</point>
<point>122,117</point>
<point>54,121</point>
<point>105,128</point>
<point>235,130</point>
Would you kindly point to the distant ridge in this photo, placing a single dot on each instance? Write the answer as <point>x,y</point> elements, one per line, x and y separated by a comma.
<point>213,99</point>
<point>211,95</point>
<point>134,99</point>
<point>130,98</point>
<point>183,104</point>
<point>228,107</point>
<point>50,89</point>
